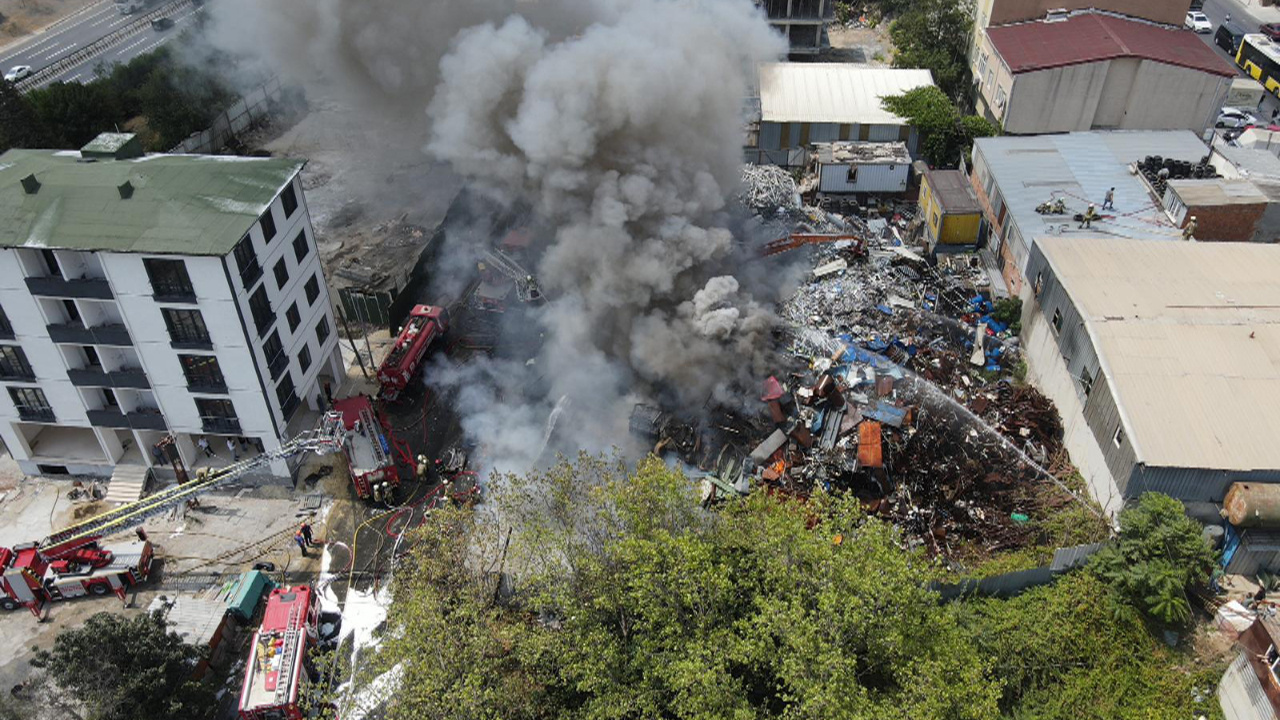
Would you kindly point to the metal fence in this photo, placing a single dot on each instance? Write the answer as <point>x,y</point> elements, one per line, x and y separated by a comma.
<point>1010,584</point>
<point>792,157</point>
<point>243,114</point>
<point>370,307</point>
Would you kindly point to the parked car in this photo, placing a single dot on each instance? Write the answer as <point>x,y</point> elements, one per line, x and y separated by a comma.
<point>17,72</point>
<point>1235,118</point>
<point>1271,30</point>
<point>1228,38</point>
<point>1198,21</point>
<point>162,23</point>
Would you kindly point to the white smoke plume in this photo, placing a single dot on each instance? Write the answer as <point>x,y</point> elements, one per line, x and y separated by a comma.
<point>620,123</point>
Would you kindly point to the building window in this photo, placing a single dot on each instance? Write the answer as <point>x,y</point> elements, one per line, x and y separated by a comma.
<point>982,65</point>
<point>322,330</point>
<point>313,289</point>
<point>247,262</point>
<point>6,329</point>
<point>218,416</point>
<point>169,279</point>
<point>1000,98</point>
<point>72,311</point>
<point>31,404</point>
<point>300,246</point>
<point>293,317</point>
<point>1057,321</point>
<point>268,225</point>
<point>14,365</point>
<point>260,307</point>
<point>51,263</point>
<point>202,372</point>
<point>1039,284</point>
<point>1118,438</point>
<point>109,399</point>
<point>281,271</point>
<point>852,176</point>
<point>289,199</point>
<point>287,397</point>
<point>1086,381</point>
<point>304,358</point>
<point>277,361</point>
<point>186,327</point>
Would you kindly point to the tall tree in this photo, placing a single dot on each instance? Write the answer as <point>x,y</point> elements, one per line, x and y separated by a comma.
<point>127,668</point>
<point>946,135</point>
<point>18,125</point>
<point>934,34</point>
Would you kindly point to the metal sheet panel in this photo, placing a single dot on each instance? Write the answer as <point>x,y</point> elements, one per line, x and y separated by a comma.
<point>833,92</point>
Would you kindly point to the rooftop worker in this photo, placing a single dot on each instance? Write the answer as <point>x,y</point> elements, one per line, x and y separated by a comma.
<point>1109,202</point>
<point>1189,231</point>
<point>1089,216</point>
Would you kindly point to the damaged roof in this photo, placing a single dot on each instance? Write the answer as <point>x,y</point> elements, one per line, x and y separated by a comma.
<point>953,191</point>
<point>175,204</point>
<point>1188,336</point>
<point>833,92</point>
<point>1094,37</point>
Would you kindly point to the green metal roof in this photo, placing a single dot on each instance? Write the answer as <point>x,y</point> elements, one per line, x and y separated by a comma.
<point>181,204</point>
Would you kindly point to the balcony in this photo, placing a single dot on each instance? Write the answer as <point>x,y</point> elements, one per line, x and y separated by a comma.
<point>87,288</point>
<point>277,365</point>
<point>81,335</point>
<point>88,377</point>
<point>146,419</point>
<point>129,378</point>
<point>111,418</point>
<point>33,414</point>
<point>191,344</point>
<point>221,426</point>
<point>289,406</point>
<point>181,296</point>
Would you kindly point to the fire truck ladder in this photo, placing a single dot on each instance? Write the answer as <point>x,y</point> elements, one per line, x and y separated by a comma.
<point>324,439</point>
<point>374,429</point>
<point>288,651</point>
<point>526,286</point>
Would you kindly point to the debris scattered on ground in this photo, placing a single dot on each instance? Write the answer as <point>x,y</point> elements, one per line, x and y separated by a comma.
<point>768,188</point>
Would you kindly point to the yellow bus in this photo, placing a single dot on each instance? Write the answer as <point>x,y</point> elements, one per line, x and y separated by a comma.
<point>1260,57</point>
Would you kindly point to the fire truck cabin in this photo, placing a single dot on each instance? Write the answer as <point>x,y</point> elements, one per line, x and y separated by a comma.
<point>425,324</point>
<point>278,669</point>
<point>367,447</point>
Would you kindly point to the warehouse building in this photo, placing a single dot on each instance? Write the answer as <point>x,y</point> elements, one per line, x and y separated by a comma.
<point>1164,361</point>
<point>1013,176</point>
<point>145,298</point>
<point>1095,71</point>
<point>805,103</point>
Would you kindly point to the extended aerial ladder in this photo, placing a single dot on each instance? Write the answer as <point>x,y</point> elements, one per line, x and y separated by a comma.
<point>527,289</point>
<point>74,562</point>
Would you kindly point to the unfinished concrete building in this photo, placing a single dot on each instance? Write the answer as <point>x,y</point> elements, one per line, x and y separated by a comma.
<point>802,22</point>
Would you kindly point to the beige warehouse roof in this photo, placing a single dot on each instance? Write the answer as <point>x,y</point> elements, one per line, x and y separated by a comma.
<point>833,92</point>
<point>1188,335</point>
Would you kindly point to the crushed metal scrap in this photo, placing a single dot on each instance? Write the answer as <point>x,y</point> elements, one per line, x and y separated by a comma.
<point>899,390</point>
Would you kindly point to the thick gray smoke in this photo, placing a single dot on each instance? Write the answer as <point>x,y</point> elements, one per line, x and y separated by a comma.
<point>620,122</point>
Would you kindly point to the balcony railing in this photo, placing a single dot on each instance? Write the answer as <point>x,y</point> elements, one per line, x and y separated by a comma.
<point>130,378</point>
<point>108,418</point>
<point>88,377</point>
<point>221,426</point>
<point>290,404</point>
<point>146,419</point>
<point>35,414</point>
<point>206,386</point>
<point>88,288</point>
<point>110,334</point>
<point>277,365</point>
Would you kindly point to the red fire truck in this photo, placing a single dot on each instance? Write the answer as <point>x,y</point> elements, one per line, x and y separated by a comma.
<point>278,668</point>
<point>32,575</point>
<point>426,323</point>
<point>367,444</point>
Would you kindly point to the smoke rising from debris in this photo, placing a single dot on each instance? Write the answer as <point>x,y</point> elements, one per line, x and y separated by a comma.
<point>620,123</point>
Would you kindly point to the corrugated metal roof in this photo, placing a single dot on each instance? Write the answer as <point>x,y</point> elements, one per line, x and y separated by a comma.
<point>1082,166</point>
<point>195,620</point>
<point>1093,37</point>
<point>833,92</point>
<point>1217,191</point>
<point>183,204</point>
<point>953,191</point>
<point>1188,335</point>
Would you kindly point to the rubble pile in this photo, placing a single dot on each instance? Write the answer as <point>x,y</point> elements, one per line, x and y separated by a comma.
<point>897,387</point>
<point>768,189</point>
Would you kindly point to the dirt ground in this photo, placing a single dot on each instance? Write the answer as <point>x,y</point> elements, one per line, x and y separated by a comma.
<point>19,18</point>
<point>868,46</point>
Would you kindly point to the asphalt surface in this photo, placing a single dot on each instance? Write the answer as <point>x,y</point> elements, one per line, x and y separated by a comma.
<point>84,27</point>
<point>1247,18</point>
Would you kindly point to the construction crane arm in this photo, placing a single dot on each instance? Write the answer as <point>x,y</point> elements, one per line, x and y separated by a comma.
<point>326,438</point>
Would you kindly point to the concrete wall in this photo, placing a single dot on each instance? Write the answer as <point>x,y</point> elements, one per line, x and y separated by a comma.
<point>1001,12</point>
<point>800,135</point>
<point>1227,223</point>
<point>1125,94</point>
<point>991,75</point>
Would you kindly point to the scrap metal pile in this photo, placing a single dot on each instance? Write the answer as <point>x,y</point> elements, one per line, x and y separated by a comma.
<point>900,391</point>
<point>768,189</point>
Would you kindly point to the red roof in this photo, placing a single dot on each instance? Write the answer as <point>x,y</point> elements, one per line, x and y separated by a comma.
<point>1090,37</point>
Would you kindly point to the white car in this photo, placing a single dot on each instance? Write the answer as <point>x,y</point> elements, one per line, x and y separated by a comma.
<point>17,72</point>
<point>1198,22</point>
<point>1235,118</point>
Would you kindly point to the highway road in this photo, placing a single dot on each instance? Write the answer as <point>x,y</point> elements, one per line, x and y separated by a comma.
<point>1247,18</point>
<point>83,28</point>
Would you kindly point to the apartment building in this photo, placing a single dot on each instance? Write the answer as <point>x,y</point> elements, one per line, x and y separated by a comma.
<point>802,22</point>
<point>146,297</point>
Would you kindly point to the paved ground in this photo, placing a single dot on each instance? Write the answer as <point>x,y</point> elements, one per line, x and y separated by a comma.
<point>140,44</point>
<point>1248,16</point>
